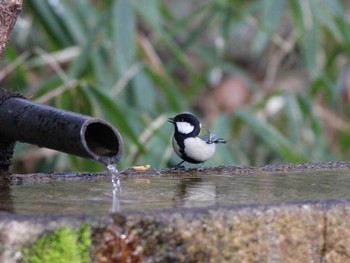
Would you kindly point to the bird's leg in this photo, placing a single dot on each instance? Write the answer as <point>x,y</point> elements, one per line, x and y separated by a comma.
<point>201,167</point>
<point>179,165</point>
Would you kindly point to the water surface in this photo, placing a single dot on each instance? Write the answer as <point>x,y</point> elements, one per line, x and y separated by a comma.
<point>71,198</point>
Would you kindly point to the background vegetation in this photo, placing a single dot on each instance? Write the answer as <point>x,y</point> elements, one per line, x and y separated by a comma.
<point>270,75</point>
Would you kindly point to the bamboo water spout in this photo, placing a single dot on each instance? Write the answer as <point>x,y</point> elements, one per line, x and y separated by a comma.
<point>65,131</point>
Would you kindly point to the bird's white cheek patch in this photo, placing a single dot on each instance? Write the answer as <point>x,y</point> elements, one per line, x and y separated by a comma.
<point>184,127</point>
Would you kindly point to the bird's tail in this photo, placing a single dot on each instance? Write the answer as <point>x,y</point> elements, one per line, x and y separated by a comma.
<point>211,138</point>
<point>220,140</point>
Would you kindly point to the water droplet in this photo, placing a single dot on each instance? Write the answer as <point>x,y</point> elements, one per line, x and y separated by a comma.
<point>114,173</point>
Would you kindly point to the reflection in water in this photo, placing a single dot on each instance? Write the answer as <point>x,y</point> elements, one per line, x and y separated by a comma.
<point>6,201</point>
<point>195,191</point>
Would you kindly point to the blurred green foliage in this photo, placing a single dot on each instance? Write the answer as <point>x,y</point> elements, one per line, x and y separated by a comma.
<point>136,63</point>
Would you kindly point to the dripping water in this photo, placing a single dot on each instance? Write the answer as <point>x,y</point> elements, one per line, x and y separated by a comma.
<point>112,168</point>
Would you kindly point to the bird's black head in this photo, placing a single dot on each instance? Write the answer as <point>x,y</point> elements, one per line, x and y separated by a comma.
<point>186,124</point>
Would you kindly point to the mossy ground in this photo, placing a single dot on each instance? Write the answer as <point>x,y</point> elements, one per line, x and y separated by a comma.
<point>65,245</point>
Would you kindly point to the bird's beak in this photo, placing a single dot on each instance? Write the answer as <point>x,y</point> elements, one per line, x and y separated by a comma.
<point>171,120</point>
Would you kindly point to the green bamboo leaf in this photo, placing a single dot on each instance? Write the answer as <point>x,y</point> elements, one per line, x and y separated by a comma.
<point>149,10</point>
<point>101,67</point>
<point>294,119</point>
<point>271,18</point>
<point>124,33</point>
<point>174,98</point>
<point>81,62</point>
<point>334,6</point>
<point>142,85</point>
<point>297,13</point>
<point>308,29</point>
<point>71,20</point>
<point>47,15</point>
<point>177,52</point>
<point>319,150</point>
<point>328,13</point>
<point>204,14</point>
<point>47,85</point>
<point>343,27</point>
<point>272,137</point>
<point>112,112</point>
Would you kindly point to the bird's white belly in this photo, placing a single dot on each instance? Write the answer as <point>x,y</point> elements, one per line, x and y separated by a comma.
<point>199,150</point>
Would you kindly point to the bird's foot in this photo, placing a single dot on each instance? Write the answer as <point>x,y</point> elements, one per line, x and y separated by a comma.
<point>179,166</point>
<point>201,167</point>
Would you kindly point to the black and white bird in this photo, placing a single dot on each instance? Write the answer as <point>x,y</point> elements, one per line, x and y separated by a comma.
<point>188,144</point>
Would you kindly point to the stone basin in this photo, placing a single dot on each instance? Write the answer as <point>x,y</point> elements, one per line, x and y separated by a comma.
<point>274,213</point>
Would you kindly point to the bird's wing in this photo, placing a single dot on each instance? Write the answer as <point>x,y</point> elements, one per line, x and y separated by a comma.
<point>211,138</point>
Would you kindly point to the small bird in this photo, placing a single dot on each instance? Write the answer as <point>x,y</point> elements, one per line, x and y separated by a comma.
<point>187,143</point>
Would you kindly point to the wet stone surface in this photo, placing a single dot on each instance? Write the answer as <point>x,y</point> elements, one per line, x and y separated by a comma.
<point>276,213</point>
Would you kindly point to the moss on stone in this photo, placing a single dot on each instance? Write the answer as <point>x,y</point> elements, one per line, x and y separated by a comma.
<point>65,245</point>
